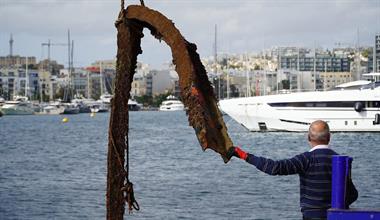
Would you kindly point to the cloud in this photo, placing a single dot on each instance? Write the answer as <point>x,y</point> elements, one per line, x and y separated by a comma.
<point>243,25</point>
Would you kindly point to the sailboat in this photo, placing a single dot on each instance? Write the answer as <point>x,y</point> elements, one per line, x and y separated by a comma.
<point>20,104</point>
<point>104,103</point>
<point>70,108</point>
<point>53,108</point>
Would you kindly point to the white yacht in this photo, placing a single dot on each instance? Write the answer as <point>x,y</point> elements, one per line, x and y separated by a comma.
<point>100,106</point>
<point>70,108</point>
<point>53,108</point>
<point>172,104</point>
<point>351,107</point>
<point>19,106</point>
<point>133,105</point>
<point>2,101</point>
<point>104,103</point>
<point>106,98</point>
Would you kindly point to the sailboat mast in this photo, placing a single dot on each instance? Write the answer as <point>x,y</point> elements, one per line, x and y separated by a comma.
<point>315,73</point>
<point>216,58</point>
<point>358,58</point>
<point>69,65</point>
<point>101,78</point>
<point>248,92</point>
<point>26,77</point>
<point>72,67</point>
<point>228,78</point>
<point>88,84</point>
<point>216,48</point>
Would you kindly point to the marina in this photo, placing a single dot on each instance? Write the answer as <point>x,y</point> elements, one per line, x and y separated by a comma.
<point>61,174</point>
<point>21,106</point>
<point>109,131</point>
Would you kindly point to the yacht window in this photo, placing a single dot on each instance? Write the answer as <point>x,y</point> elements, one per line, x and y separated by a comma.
<point>321,104</point>
<point>346,104</point>
<point>309,105</point>
<point>345,122</point>
<point>376,104</point>
<point>355,122</point>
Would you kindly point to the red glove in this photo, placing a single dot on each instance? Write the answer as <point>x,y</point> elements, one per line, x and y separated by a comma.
<point>237,152</point>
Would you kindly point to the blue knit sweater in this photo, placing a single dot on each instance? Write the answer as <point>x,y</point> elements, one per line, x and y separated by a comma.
<point>314,170</point>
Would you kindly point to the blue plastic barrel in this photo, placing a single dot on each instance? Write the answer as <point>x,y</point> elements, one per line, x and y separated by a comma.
<point>341,168</point>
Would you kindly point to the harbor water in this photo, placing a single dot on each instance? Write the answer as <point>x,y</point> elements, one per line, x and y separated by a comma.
<point>55,170</point>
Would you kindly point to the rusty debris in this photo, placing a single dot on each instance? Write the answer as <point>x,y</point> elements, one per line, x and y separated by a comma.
<point>196,93</point>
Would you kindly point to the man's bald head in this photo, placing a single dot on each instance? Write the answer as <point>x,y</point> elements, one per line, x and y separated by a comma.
<point>319,133</point>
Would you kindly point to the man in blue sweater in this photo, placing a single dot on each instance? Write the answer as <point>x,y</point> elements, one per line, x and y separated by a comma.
<point>313,168</point>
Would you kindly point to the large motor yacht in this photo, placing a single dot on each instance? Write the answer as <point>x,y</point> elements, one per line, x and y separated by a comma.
<point>172,104</point>
<point>351,107</point>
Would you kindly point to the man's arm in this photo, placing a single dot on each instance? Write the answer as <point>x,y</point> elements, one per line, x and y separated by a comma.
<point>297,164</point>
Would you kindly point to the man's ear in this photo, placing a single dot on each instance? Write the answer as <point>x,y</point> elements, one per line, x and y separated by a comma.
<point>308,137</point>
<point>328,138</point>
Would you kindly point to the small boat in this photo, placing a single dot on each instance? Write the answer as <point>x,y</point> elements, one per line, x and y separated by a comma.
<point>83,104</point>
<point>1,104</point>
<point>133,105</point>
<point>19,106</point>
<point>172,104</point>
<point>106,98</point>
<point>54,108</point>
<point>70,108</point>
<point>99,106</point>
<point>104,103</point>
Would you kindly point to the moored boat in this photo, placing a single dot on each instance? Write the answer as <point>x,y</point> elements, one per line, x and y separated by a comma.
<point>70,108</point>
<point>172,104</point>
<point>54,108</point>
<point>353,107</point>
<point>133,105</point>
<point>19,106</point>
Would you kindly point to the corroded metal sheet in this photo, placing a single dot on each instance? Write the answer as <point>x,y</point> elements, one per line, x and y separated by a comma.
<point>196,90</point>
<point>196,93</point>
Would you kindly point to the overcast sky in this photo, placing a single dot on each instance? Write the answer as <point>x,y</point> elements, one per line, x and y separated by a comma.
<point>243,26</point>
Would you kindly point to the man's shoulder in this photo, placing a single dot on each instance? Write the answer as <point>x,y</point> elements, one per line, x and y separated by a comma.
<point>322,154</point>
<point>328,151</point>
<point>317,153</point>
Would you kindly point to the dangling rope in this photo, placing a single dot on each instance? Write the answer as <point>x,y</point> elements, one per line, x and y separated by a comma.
<point>128,187</point>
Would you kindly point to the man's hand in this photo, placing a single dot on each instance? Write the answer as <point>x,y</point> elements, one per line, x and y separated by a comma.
<point>237,152</point>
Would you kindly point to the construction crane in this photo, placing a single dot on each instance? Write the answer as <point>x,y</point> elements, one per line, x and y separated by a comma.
<point>49,44</point>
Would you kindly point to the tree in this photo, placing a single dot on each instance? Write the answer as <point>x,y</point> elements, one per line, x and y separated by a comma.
<point>146,100</point>
<point>365,53</point>
<point>157,100</point>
